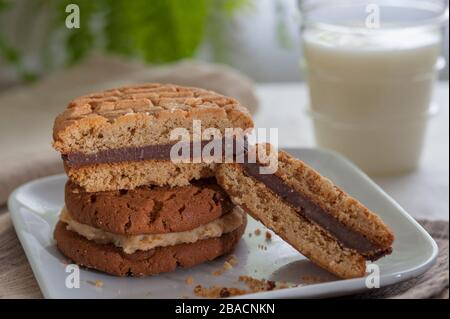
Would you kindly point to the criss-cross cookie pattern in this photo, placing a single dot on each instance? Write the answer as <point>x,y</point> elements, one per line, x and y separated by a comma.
<point>149,99</point>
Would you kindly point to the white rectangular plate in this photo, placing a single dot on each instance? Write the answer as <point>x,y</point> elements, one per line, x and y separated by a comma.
<point>35,207</point>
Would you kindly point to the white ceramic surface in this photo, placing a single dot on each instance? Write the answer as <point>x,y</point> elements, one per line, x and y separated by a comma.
<point>35,206</point>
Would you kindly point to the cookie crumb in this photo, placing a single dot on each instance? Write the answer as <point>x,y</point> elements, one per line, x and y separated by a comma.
<point>249,234</point>
<point>189,280</point>
<point>97,283</point>
<point>268,236</point>
<point>282,285</point>
<point>232,259</point>
<point>217,273</point>
<point>227,266</point>
<point>257,285</point>
<point>253,284</point>
<point>217,291</point>
<point>257,232</point>
<point>224,292</point>
<point>309,280</point>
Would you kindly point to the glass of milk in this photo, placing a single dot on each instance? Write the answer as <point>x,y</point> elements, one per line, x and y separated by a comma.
<point>371,66</point>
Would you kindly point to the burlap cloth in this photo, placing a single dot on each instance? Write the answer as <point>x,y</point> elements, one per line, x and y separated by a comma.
<point>17,280</point>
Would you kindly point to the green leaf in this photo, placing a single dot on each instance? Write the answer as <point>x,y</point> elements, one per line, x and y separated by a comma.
<point>8,53</point>
<point>229,7</point>
<point>4,4</point>
<point>158,30</point>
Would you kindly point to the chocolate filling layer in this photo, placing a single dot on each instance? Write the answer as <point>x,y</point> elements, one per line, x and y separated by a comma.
<point>156,152</point>
<point>307,208</point>
<point>149,152</point>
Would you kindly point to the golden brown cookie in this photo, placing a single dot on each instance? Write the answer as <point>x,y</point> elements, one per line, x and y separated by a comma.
<point>129,175</point>
<point>111,259</point>
<point>312,214</point>
<point>141,115</point>
<point>121,138</point>
<point>147,209</point>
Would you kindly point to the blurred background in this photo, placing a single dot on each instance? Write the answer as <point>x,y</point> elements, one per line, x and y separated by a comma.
<point>258,37</point>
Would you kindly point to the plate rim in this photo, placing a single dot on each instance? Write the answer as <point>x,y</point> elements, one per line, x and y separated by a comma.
<point>16,218</point>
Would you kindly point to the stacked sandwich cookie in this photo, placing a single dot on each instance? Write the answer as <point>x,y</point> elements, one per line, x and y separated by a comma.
<point>129,208</point>
<point>133,206</point>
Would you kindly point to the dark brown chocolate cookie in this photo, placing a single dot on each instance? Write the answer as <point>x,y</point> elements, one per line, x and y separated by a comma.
<point>148,210</point>
<point>112,260</point>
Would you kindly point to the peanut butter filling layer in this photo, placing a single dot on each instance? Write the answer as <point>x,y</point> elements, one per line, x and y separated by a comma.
<point>131,244</point>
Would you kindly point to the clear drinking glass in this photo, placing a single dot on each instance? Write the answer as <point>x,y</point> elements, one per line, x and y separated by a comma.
<point>371,67</point>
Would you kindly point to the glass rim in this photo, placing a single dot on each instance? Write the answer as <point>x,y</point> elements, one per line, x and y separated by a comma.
<point>437,21</point>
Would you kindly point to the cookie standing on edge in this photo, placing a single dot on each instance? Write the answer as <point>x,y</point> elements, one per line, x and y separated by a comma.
<point>307,210</point>
<point>120,138</point>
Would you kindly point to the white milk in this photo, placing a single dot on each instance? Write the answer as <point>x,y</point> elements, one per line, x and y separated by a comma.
<point>370,94</point>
